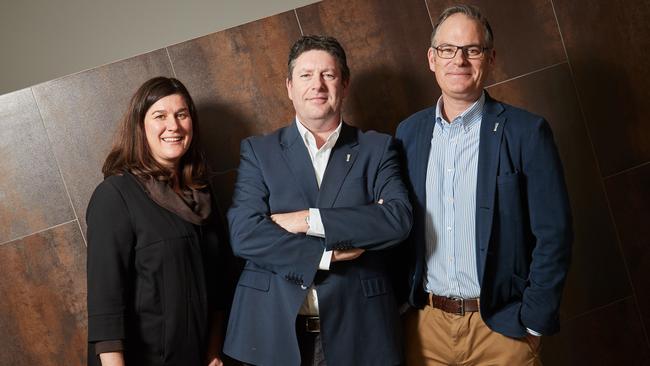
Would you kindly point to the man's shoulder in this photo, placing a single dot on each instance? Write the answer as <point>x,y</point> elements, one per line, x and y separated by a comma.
<point>270,138</point>
<point>517,117</point>
<point>416,119</point>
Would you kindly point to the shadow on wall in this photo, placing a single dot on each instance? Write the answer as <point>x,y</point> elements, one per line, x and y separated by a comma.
<point>222,130</point>
<point>380,98</point>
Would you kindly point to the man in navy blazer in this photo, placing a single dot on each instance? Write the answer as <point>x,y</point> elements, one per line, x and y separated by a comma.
<point>490,245</point>
<point>315,206</point>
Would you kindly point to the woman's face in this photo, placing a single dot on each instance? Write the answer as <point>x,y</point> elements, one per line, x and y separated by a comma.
<point>168,127</point>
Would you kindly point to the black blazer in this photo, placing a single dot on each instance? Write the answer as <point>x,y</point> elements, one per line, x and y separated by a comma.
<point>152,277</point>
<point>523,220</point>
<point>359,317</point>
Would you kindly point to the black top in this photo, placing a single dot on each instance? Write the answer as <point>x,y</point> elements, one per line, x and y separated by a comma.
<point>152,278</point>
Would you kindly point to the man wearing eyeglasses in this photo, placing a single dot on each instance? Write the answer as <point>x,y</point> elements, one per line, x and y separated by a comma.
<point>490,246</point>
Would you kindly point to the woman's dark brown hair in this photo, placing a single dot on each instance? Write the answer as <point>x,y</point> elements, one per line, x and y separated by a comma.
<point>130,151</point>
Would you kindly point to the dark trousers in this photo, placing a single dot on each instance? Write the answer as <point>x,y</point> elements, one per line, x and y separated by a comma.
<point>311,347</point>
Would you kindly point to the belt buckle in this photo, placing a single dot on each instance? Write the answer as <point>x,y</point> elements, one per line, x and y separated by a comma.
<point>312,324</point>
<point>460,311</point>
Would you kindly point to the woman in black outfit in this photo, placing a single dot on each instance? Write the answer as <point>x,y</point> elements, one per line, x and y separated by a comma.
<point>153,240</point>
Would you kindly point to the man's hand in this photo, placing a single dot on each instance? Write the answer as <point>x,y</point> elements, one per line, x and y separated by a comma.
<point>346,255</point>
<point>293,222</point>
<point>216,361</point>
<point>112,358</point>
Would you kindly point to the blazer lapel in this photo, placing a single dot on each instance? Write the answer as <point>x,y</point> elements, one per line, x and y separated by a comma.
<point>423,148</point>
<point>297,158</point>
<point>339,164</point>
<point>492,126</point>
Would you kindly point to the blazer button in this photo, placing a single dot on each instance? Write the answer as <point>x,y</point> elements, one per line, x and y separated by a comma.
<point>303,287</point>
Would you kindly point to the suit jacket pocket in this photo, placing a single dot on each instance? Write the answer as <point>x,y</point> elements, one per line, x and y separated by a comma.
<point>374,286</point>
<point>255,279</point>
<point>508,178</point>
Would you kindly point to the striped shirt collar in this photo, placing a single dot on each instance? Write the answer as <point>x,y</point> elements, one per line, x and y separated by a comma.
<point>468,118</point>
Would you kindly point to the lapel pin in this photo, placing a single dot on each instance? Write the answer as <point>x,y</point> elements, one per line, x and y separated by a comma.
<point>347,157</point>
<point>496,125</point>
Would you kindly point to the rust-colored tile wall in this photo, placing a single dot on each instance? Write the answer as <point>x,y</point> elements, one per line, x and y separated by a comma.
<point>560,59</point>
<point>43,299</point>
<point>607,44</point>
<point>385,42</point>
<point>32,194</point>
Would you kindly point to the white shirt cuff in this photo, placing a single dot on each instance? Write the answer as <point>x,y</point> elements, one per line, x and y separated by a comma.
<point>315,224</point>
<point>325,260</point>
<point>532,332</point>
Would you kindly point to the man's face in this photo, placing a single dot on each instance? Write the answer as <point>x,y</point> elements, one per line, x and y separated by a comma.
<point>460,78</point>
<point>316,88</point>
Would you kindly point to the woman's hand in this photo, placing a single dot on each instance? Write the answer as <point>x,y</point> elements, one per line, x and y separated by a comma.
<point>112,359</point>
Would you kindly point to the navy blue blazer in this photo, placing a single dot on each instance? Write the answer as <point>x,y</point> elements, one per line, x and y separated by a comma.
<point>358,311</point>
<point>523,220</point>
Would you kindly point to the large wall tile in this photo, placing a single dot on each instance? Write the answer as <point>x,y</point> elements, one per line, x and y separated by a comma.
<point>386,44</point>
<point>607,43</point>
<point>43,299</point>
<point>32,194</point>
<point>81,113</point>
<point>597,275</point>
<point>629,197</point>
<point>611,335</point>
<point>237,79</point>
<point>526,35</point>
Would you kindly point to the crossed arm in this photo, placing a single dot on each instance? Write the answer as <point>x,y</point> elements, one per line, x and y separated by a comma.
<point>278,241</point>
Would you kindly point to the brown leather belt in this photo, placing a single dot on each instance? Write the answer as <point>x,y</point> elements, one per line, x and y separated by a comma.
<point>308,324</point>
<point>453,305</point>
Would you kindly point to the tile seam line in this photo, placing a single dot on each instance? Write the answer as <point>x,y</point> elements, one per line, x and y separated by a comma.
<point>624,171</point>
<point>295,12</point>
<point>169,57</point>
<point>36,232</point>
<point>600,307</point>
<point>600,172</point>
<point>58,166</point>
<point>528,73</point>
<point>429,13</point>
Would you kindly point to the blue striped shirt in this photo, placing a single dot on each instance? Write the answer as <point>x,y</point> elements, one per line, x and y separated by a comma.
<point>451,204</point>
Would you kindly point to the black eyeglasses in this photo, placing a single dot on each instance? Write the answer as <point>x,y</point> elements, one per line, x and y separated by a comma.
<point>471,51</point>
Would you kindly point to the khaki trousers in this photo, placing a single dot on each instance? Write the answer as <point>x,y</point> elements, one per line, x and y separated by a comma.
<point>435,337</point>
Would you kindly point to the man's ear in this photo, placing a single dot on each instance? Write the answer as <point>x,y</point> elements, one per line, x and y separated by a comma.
<point>431,56</point>
<point>288,84</point>
<point>492,55</point>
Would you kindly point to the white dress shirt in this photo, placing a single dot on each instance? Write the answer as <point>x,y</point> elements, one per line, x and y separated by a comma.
<point>319,159</point>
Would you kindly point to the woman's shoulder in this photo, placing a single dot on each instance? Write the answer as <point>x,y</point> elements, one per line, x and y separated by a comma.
<point>115,186</point>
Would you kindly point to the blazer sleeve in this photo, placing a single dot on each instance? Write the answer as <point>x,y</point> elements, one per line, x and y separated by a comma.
<point>377,225</point>
<point>550,220</point>
<point>109,254</point>
<point>255,237</point>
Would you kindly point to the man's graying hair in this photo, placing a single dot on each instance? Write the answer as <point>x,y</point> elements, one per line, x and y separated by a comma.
<point>321,43</point>
<point>470,11</point>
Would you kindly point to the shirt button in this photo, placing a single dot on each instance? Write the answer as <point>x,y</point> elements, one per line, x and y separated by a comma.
<point>450,170</point>
<point>448,228</point>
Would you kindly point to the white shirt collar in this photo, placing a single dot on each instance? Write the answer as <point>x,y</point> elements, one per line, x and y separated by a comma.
<point>309,139</point>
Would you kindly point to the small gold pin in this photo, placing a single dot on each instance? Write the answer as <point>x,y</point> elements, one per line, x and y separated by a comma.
<point>347,157</point>
<point>496,125</point>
